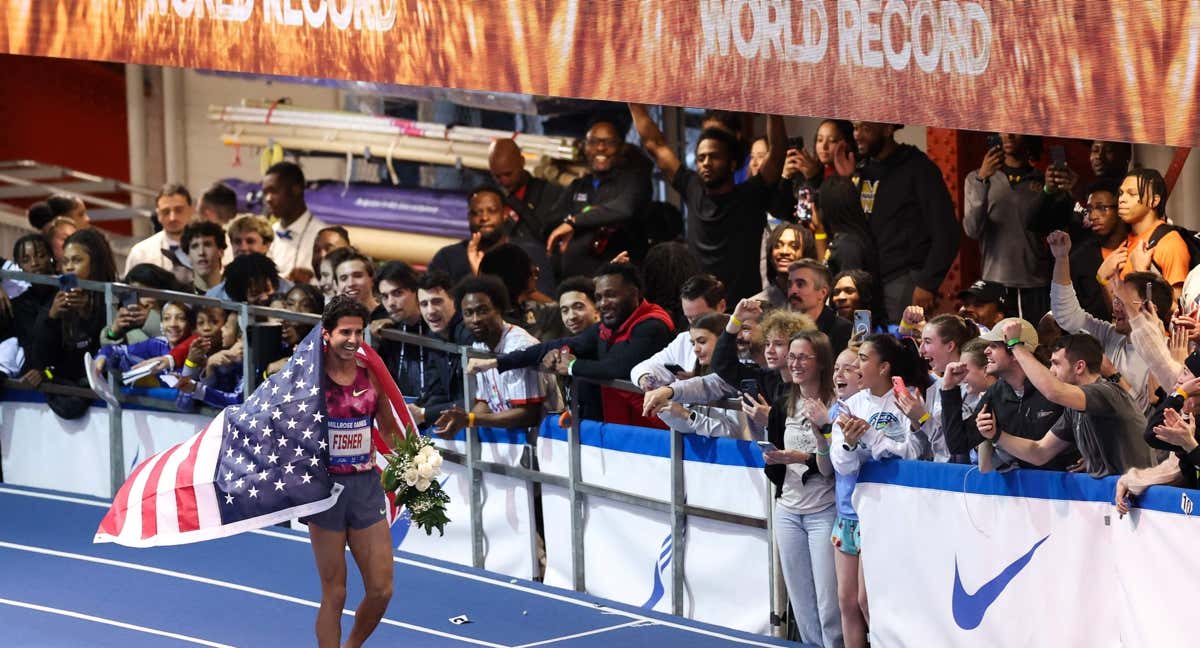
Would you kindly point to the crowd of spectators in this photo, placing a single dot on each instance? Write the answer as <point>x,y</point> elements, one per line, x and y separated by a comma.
<point>801,288</point>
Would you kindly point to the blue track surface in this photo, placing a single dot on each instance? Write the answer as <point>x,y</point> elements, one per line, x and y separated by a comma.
<point>261,589</point>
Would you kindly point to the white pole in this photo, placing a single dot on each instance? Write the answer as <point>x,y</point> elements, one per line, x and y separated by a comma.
<point>135,121</point>
<point>174,142</point>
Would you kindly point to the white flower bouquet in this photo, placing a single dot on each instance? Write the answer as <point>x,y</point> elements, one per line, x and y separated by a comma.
<point>412,473</point>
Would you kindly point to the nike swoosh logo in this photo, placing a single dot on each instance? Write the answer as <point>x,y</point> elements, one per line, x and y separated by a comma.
<point>969,609</point>
<point>358,393</point>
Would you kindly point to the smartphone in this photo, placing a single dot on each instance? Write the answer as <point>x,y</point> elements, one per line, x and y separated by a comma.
<point>804,205</point>
<point>748,386</point>
<point>1192,362</point>
<point>766,446</point>
<point>862,324</point>
<point>796,142</point>
<point>1149,294</point>
<point>993,142</point>
<point>898,385</point>
<point>68,281</point>
<point>673,368</point>
<point>129,300</point>
<point>1058,157</point>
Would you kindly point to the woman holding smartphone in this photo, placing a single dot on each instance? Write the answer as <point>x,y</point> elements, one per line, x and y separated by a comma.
<point>70,325</point>
<point>872,426</point>
<point>699,418</point>
<point>800,468</point>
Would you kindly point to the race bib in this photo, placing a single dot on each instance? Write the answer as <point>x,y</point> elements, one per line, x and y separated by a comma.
<point>349,441</point>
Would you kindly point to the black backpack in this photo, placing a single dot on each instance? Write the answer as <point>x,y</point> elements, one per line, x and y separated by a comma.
<point>1191,238</point>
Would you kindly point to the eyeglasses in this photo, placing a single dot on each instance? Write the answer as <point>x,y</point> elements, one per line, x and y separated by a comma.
<point>800,357</point>
<point>1101,208</point>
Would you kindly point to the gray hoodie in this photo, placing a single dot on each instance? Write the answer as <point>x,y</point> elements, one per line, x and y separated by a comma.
<point>998,214</point>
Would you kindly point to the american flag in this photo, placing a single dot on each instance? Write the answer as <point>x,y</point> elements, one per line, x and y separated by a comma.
<point>256,464</point>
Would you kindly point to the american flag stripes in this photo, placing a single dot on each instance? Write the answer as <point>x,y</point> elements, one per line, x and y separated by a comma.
<point>254,465</point>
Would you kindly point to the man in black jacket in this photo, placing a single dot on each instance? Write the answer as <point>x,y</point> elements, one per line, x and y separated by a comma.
<point>397,285</point>
<point>809,283</point>
<point>443,370</point>
<point>909,210</point>
<point>597,214</point>
<point>529,202</point>
<point>630,330</point>
<point>1017,407</point>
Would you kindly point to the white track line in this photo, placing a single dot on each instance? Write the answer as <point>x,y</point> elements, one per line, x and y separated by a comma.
<point>453,572</point>
<point>579,634</point>
<point>111,622</point>
<point>544,594</point>
<point>227,585</point>
<point>57,498</point>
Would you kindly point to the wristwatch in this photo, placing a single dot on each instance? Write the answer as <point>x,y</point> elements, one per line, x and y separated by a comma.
<point>1114,378</point>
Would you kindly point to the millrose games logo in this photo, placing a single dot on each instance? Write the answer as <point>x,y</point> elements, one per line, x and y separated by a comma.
<point>969,609</point>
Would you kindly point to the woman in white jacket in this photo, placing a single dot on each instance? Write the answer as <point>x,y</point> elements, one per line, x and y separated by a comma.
<point>703,419</point>
<point>871,425</point>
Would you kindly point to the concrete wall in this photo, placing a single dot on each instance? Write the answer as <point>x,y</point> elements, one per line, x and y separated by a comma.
<point>208,160</point>
<point>1183,207</point>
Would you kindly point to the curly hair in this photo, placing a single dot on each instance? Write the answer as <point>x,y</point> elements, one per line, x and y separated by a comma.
<point>343,306</point>
<point>783,323</point>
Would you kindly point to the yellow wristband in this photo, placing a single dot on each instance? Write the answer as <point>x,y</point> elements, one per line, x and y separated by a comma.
<point>1182,394</point>
<point>820,236</point>
<point>471,419</point>
<point>737,323</point>
<point>924,417</point>
<point>188,363</point>
<point>1101,280</point>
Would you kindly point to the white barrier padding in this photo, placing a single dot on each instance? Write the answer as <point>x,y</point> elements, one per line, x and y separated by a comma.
<point>1029,558</point>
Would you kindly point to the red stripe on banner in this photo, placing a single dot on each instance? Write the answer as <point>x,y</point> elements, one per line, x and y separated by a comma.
<point>150,496</point>
<point>114,520</point>
<point>185,489</point>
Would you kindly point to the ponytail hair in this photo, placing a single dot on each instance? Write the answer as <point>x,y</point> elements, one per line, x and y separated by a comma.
<point>903,360</point>
<point>952,328</point>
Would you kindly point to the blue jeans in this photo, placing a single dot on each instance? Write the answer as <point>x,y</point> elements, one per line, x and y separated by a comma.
<point>807,559</point>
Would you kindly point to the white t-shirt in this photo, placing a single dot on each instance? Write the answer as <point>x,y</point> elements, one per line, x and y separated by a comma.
<point>150,250</point>
<point>797,496</point>
<point>292,247</point>
<point>504,390</point>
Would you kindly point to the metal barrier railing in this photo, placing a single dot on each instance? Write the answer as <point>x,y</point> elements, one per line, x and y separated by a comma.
<point>577,489</point>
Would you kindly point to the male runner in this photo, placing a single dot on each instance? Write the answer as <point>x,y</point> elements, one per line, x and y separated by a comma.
<point>352,401</point>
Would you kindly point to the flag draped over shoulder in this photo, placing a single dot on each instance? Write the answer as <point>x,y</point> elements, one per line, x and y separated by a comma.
<point>254,465</point>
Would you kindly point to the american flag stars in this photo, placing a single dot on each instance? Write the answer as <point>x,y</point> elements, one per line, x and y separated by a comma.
<point>275,414</point>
